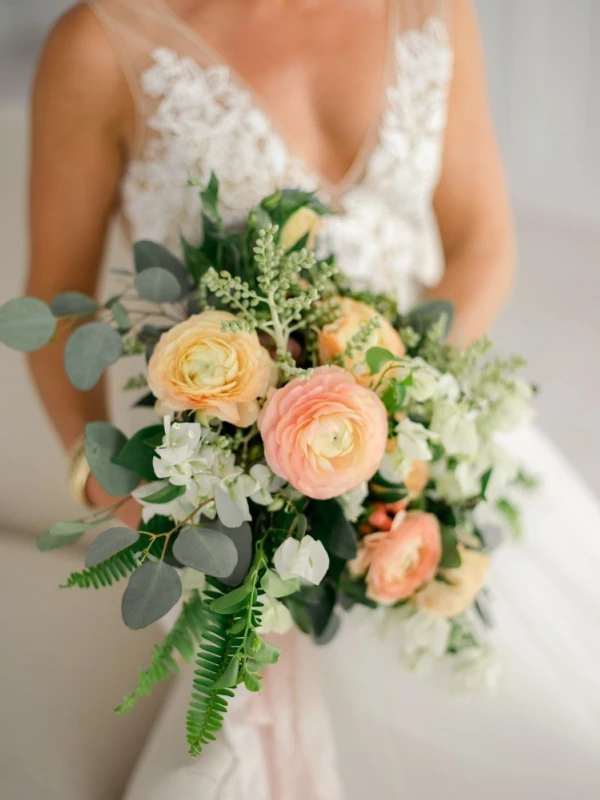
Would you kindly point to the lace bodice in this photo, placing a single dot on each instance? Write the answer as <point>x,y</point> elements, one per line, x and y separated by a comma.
<point>197,116</point>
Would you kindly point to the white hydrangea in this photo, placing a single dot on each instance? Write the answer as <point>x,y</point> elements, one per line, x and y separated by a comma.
<point>305,559</point>
<point>456,427</point>
<point>478,669</point>
<point>424,641</point>
<point>352,502</point>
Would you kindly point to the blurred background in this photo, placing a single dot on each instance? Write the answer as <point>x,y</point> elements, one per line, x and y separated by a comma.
<point>543,68</point>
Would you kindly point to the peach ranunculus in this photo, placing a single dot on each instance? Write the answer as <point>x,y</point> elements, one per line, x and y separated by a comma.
<point>453,595</point>
<point>326,434</point>
<point>334,338</point>
<point>197,366</point>
<point>399,561</point>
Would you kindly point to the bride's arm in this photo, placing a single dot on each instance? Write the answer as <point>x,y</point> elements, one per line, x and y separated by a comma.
<point>77,158</point>
<point>471,202</point>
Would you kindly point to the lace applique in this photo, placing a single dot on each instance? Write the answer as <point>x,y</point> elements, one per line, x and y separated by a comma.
<point>202,121</point>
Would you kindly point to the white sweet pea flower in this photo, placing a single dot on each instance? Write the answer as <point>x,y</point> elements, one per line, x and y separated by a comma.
<point>395,467</point>
<point>179,509</point>
<point>239,487</point>
<point>275,617</point>
<point>425,381</point>
<point>504,469</point>
<point>425,640</point>
<point>461,482</point>
<point>175,458</point>
<point>509,408</point>
<point>412,440</point>
<point>352,502</point>
<point>456,427</point>
<point>264,484</point>
<point>478,669</point>
<point>306,559</point>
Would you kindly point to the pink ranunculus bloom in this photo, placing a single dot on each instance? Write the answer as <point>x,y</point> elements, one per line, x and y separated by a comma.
<point>324,435</point>
<point>399,561</point>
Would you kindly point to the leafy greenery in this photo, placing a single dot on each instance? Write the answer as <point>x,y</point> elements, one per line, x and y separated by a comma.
<point>90,349</point>
<point>106,573</point>
<point>26,323</point>
<point>182,639</point>
<point>137,454</point>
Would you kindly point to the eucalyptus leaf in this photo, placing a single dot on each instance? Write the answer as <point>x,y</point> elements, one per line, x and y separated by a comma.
<point>206,550</point>
<point>109,543</point>
<point>152,591</point>
<point>330,631</point>
<point>149,254</point>
<point>158,285</point>
<point>242,539</point>
<point>377,359</point>
<point>229,678</point>
<point>69,528</point>
<point>229,514</point>
<point>275,586</point>
<point>121,316</point>
<point>69,304</point>
<point>46,542</point>
<point>102,443</point>
<point>90,349</point>
<point>26,324</point>
<point>425,316</point>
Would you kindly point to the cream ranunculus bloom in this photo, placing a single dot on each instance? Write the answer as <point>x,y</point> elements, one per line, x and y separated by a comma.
<point>301,222</point>
<point>463,585</point>
<point>197,366</point>
<point>334,338</point>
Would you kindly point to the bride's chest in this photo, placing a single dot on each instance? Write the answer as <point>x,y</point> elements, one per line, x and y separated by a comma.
<point>202,119</point>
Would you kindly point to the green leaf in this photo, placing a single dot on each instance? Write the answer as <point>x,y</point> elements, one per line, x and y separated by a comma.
<point>26,324</point>
<point>319,602</point>
<point>137,454</point>
<point>393,397</point>
<point>231,601</point>
<point>102,443</point>
<point>330,631</point>
<point>206,550</point>
<point>425,316</point>
<point>210,198</point>
<point>69,528</point>
<point>109,543</point>
<point>46,542</point>
<point>182,638</point>
<point>68,304</point>
<point>229,514</point>
<point>121,317</point>
<point>90,349</point>
<point>266,654</point>
<point>152,591</point>
<point>331,527</point>
<point>252,682</point>
<point>485,480</point>
<point>275,586</point>
<point>197,262</point>
<point>511,514</point>
<point>151,254</point>
<point>165,495</point>
<point>377,358</point>
<point>450,554</point>
<point>229,678</point>
<point>158,285</point>
<point>242,539</point>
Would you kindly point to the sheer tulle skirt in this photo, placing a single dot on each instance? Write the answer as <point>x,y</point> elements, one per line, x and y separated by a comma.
<point>400,736</point>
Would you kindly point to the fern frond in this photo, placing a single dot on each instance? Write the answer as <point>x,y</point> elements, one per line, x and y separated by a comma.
<point>208,705</point>
<point>104,574</point>
<point>182,638</point>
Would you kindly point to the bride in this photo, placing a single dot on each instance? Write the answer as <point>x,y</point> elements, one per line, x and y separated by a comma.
<point>379,105</point>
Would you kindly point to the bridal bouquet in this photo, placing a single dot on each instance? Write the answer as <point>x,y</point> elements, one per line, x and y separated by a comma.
<point>315,451</point>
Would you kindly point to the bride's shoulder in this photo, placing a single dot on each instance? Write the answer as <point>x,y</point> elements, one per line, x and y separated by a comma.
<point>79,61</point>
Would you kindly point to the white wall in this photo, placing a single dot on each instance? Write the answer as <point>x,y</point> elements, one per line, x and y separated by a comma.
<point>544,73</point>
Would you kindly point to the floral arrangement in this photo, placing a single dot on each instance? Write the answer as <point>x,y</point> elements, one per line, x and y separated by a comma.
<point>316,451</point>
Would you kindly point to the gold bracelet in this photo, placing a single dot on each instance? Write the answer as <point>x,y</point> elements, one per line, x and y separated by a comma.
<point>78,472</point>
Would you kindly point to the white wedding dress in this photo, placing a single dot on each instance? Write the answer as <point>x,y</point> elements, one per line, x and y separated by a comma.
<point>395,735</point>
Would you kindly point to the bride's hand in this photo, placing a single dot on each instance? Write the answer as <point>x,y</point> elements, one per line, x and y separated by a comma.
<point>129,513</point>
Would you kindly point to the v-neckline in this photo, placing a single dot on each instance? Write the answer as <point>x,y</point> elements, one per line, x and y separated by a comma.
<point>335,188</point>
